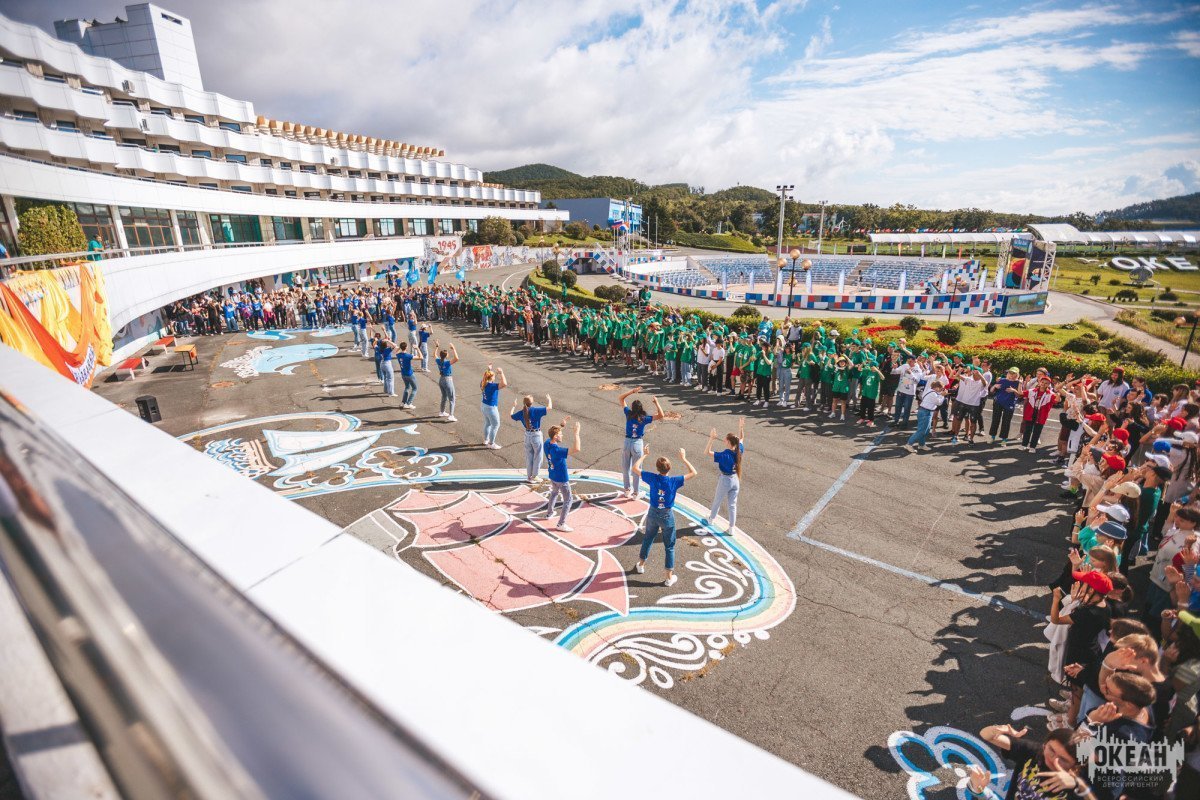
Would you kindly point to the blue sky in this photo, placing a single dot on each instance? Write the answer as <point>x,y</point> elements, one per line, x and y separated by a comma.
<point>1047,107</point>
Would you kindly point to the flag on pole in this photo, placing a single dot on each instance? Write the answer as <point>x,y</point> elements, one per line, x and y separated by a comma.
<point>433,273</point>
<point>461,274</point>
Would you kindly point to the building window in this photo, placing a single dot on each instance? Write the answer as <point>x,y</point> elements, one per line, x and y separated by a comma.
<point>241,188</point>
<point>161,112</point>
<point>285,165</point>
<point>66,125</point>
<point>196,118</point>
<point>473,225</point>
<point>147,227</point>
<point>287,229</point>
<point>385,227</point>
<point>168,148</point>
<point>316,227</point>
<point>202,154</point>
<point>96,222</point>
<point>312,195</point>
<point>349,228</point>
<point>25,116</point>
<point>230,126</point>
<point>421,227</point>
<point>289,192</point>
<point>307,168</point>
<point>236,158</point>
<point>231,228</point>
<point>445,226</point>
<point>189,227</point>
<point>265,162</point>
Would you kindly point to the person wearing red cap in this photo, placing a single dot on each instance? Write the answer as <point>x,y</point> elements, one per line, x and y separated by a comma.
<point>1088,617</point>
<point>1038,402</point>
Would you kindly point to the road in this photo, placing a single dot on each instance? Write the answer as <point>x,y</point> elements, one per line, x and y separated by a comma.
<point>873,592</point>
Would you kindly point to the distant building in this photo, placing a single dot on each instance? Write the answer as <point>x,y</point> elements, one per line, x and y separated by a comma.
<point>151,40</point>
<point>602,211</point>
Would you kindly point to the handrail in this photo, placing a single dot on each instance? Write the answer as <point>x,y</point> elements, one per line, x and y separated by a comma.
<point>185,688</point>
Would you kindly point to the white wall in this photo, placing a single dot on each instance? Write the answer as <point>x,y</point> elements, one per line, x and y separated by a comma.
<point>142,284</point>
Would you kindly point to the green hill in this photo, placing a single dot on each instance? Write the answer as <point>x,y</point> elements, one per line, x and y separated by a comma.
<point>518,176</point>
<point>1184,208</point>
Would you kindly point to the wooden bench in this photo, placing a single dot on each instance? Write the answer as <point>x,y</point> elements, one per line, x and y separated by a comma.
<point>129,367</point>
<point>188,351</point>
<point>162,344</point>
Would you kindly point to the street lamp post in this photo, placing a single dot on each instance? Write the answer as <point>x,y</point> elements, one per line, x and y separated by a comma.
<point>821,226</point>
<point>1179,323</point>
<point>784,190</point>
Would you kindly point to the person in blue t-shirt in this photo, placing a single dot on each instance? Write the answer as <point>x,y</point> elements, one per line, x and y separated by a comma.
<point>230,316</point>
<point>413,339</point>
<point>1004,393</point>
<point>560,480</point>
<point>491,405</point>
<point>385,348</point>
<point>530,417</point>
<point>729,467</point>
<point>406,374</point>
<point>423,346</point>
<point>661,516</point>
<point>364,333</point>
<point>636,420</point>
<point>445,365</point>
<point>389,323</point>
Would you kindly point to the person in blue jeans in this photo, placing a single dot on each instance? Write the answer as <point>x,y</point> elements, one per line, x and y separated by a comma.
<point>386,348</point>
<point>530,416</point>
<point>406,374</point>
<point>660,518</point>
<point>490,405</point>
<point>560,479</point>
<point>932,398</point>
<point>636,420</point>
<point>423,345</point>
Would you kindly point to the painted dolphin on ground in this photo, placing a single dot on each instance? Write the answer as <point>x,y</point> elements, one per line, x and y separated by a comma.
<point>271,336</point>
<point>281,360</point>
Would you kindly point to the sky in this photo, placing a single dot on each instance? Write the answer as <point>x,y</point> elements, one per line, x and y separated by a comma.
<point>1046,107</point>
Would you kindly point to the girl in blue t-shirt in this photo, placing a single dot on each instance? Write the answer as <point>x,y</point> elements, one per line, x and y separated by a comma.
<point>729,469</point>
<point>560,481</point>
<point>491,387</point>
<point>423,346</point>
<point>406,374</point>
<point>660,518</point>
<point>636,420</point>
<point>445,366</point>
<point>384,349</point>
<point>530,416</point>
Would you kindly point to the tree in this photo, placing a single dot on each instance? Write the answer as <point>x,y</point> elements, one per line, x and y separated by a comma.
<point>49,229</point>
<point>657,222</point>
<point>496,230</point>
<point>576,231</point>
<point>568,278</point>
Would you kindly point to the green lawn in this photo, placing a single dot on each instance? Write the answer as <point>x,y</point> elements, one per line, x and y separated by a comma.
<point>1079,277</point>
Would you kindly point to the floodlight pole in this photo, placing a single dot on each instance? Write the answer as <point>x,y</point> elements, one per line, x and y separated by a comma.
<point>783,190</point>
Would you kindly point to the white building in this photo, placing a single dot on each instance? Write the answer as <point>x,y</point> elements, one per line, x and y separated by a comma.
<point>148,40</point>
<point>195,189</point>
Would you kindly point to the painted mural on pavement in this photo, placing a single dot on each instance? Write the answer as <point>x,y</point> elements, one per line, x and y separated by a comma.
<point>484,533</point>
<point>266,359</point>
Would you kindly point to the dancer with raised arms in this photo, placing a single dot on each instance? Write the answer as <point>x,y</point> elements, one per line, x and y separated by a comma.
<point>530,416</point>
<point>445,365</point>
<point>560,480</point>
<point>660,518</point>
<point>636,420</point>
<point>490,405</point>
<point>729,467</point>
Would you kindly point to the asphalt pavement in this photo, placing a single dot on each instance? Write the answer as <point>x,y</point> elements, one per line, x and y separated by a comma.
<point>917,580</point>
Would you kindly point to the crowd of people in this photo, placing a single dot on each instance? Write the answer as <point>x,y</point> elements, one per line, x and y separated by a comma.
<point>1125,663</point>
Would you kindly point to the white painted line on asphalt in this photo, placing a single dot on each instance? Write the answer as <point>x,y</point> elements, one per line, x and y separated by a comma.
<point>797,534</point>
<point>504,283</point>
<point>832,492</point>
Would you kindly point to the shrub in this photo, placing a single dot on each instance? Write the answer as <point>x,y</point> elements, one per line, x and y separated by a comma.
<point>1095,279</point>
<point>50,229</point>
<point>1044,329</point>
<point>1019,326</point>
<point>1087,343</point>
<point>1167,296</point>
<point>970,324</point>
<point>1114,281</point>
<point>1126,296</point>
<point>610,291</point>
<point>989,327</point>
<point>746,311</point>
<point>575,230</point>
<point>1085,291</point>
<point>1070,326</point>
<point>568,278</point>
<point>910,325</point>
<point>948,333</point>
<point>552,271</point>
<point>869,321</point>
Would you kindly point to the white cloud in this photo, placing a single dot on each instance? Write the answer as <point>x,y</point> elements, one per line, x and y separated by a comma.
<point>1188,42</point>
<point>820,40</point>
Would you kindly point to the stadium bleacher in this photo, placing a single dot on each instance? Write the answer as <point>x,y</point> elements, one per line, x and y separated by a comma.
<point>861,271</point>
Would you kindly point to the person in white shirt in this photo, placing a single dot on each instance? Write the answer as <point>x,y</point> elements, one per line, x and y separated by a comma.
<point>716,367</point>
<point>968,402</point>
<point>910,375</point>
<point>1112,390</point>
<point>933,397</point>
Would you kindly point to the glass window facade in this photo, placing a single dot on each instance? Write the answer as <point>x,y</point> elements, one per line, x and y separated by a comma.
<point>189,227</point>
<point>232,228</point>
<point>385,227</point>
<point>287,229</point>
<point>317,227</point>
<point>96,222</point>
<point>349,228</point>
<point>422,227</point>
<point>147,227</point>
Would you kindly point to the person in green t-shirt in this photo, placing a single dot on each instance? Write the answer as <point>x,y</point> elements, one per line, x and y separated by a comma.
<point>763,365</point>
<point>869,379</point>
<point>840,388</point>
<point>784,358</point>
<point>827,367</point>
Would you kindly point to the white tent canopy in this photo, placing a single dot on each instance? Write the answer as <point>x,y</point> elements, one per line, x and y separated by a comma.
<point>1068,234</point>
<point>945,238</point>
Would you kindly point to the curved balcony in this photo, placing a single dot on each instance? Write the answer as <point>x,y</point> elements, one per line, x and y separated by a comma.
<point>49,94</point>
<point>33,44</point>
